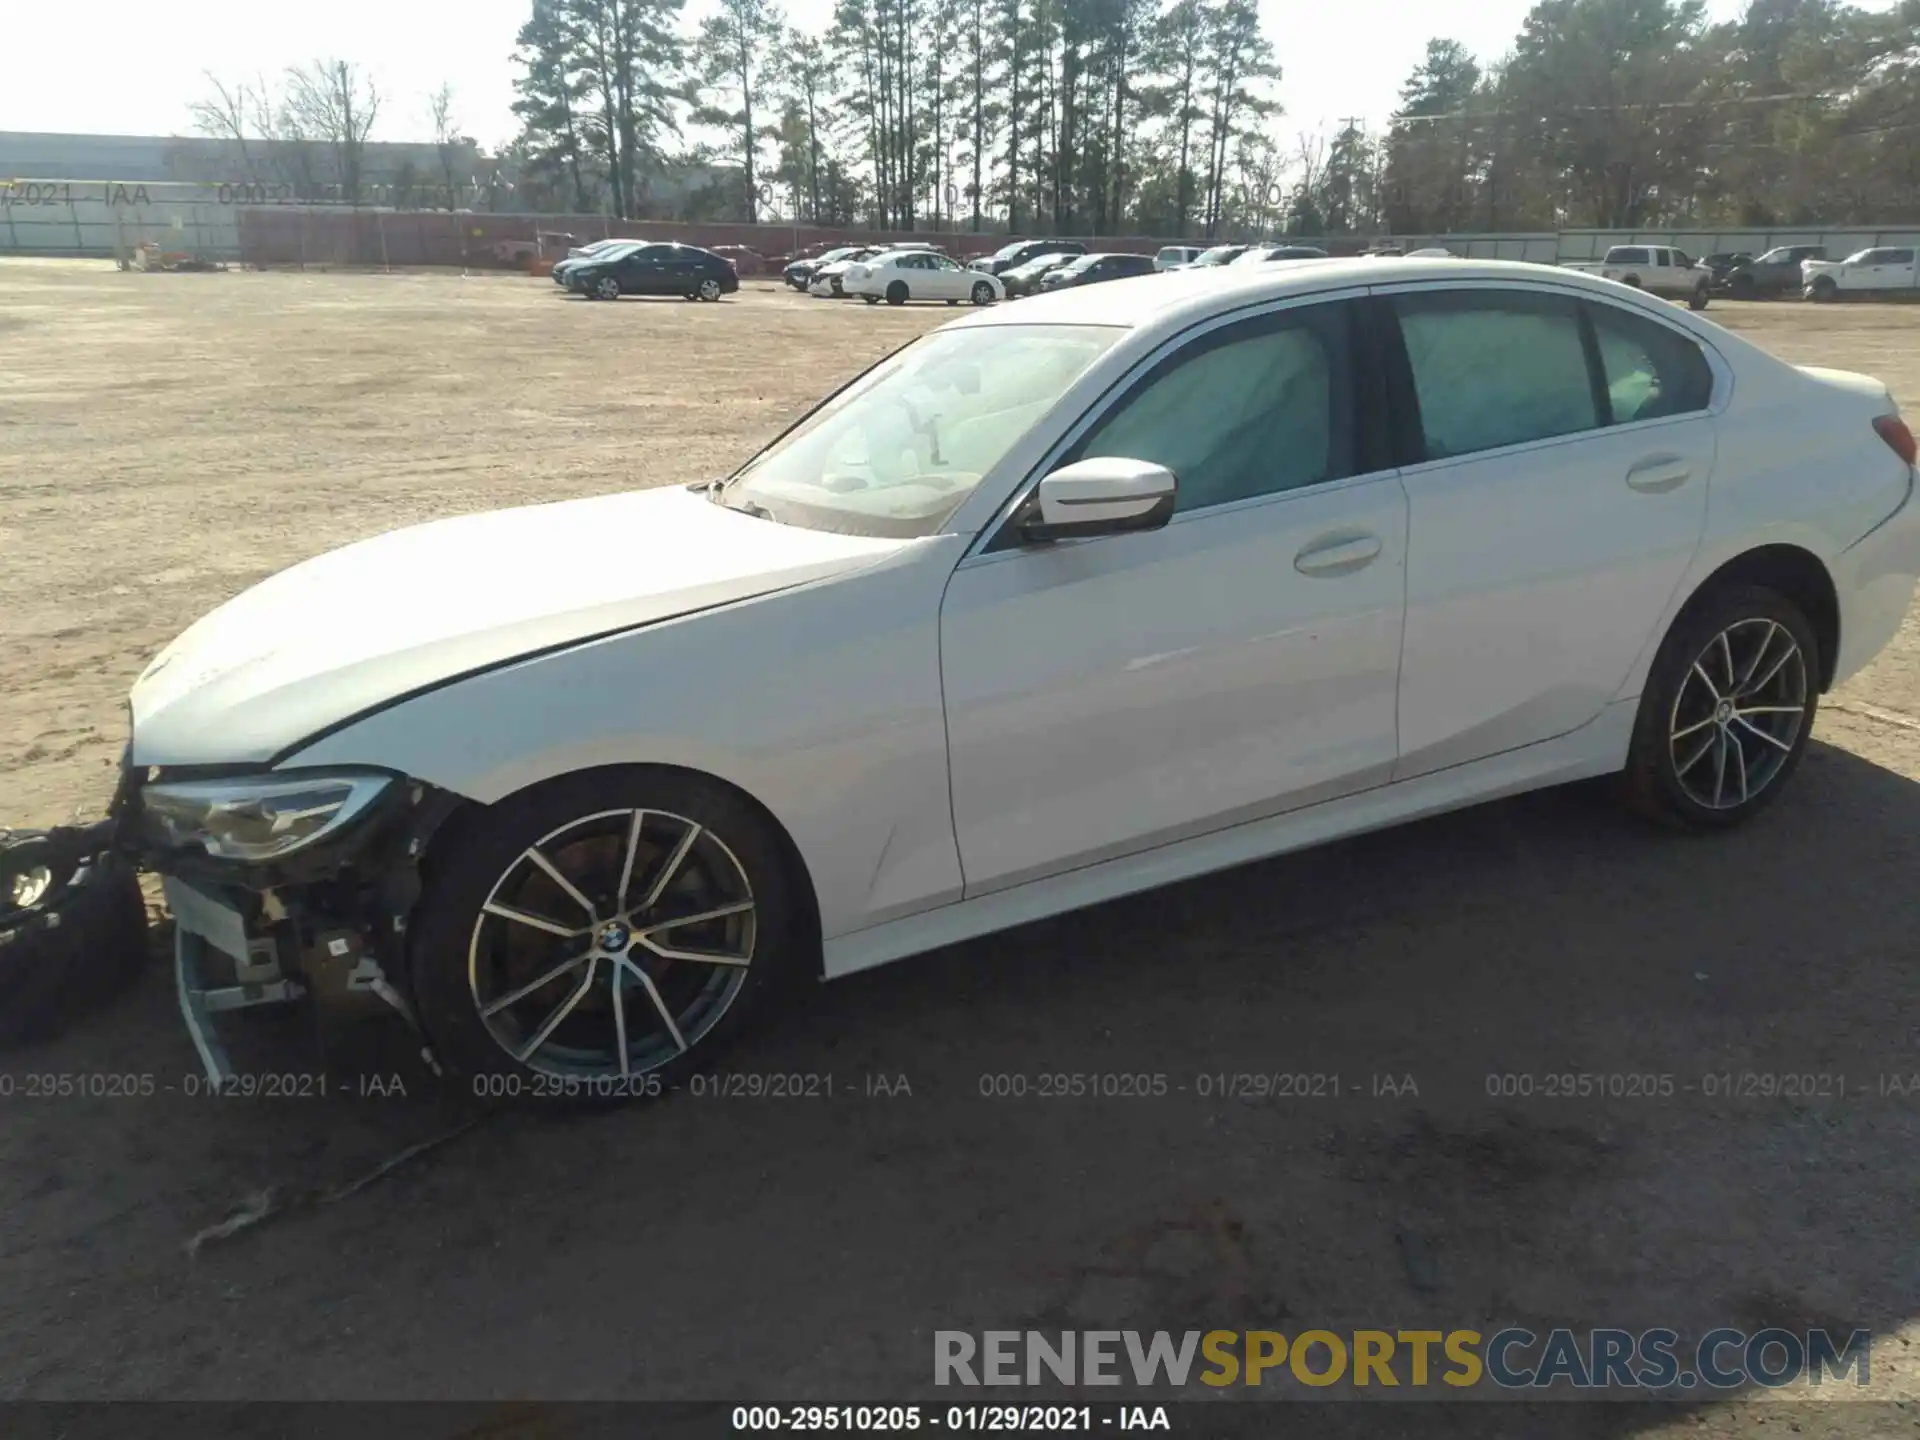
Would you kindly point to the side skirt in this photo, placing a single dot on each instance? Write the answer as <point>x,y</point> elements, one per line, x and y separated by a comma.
<point>1597,748</point>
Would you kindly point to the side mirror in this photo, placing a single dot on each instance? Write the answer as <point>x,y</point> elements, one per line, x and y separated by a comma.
<point>1107,495</point>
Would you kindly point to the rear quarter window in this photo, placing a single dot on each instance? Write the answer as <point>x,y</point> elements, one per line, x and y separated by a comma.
<point>1649,370</point>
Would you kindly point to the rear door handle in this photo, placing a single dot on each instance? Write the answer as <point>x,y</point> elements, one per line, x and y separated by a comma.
<point>1665,472</point>
<point>1337,555</point>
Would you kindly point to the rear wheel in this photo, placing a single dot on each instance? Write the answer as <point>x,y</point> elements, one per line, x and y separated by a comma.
<point>710,289</point>
<point>602,936</point>
<point>1745,287</point>
<point>871,299</point>
<point>1727,710</point>
<point>1633,280</point>
<point>897,293</point>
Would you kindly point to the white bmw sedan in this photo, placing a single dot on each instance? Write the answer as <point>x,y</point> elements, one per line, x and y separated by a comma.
<point>902,275</point>
<point>1055,604</point>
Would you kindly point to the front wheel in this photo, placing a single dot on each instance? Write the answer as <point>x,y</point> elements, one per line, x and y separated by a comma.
<point>602,936</point>
<point>1824,290</point>
<point>606,288</point>
<point>1697,300</point>
<point>982,293</point>
<point>1727,710</point>
<point>897,293</point>
<point>871,299</point>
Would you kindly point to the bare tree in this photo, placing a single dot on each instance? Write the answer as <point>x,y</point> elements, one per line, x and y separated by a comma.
<point>447,139</point>
<point>227,114</point>
<point>333,102</point>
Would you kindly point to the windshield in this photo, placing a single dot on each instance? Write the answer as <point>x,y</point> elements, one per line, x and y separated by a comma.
<point>1858,256</point>
<point>1777,256</point>
<point>1007,252</point>
<point>1083,262</point>
<point>896,452</point>
<point>1251,257</point>
<point>1218,255</point>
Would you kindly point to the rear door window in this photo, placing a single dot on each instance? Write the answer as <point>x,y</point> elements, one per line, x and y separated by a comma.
<point>1493,368</point>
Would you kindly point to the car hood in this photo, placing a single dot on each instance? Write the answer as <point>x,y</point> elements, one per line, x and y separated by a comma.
<point>354,629</point>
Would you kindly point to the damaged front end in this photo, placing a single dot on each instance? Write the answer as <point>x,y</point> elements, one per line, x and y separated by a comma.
<point>287,888</point>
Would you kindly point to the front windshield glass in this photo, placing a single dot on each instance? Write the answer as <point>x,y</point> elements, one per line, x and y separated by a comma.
<point>1858,256</point>
<point>1218,255</point>
<point>1251,257</point>
<point>899,450</point>
<point>1778,256</point>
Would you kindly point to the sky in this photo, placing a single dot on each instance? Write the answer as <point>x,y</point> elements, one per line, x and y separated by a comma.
<point>144,63</point>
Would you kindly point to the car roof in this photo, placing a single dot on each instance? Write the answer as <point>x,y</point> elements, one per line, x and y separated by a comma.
<point>1182,297</point>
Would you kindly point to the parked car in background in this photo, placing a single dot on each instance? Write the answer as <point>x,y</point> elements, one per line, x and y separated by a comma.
<point>1025,279</point>
<point>1021,251</point>
<point>828,279</point>
<point>799,273</point>
<point>1657,269</point>
<point>1723,263</point>
<point>654,269</point>
<point>581,254</point>
<point>1879,271</point>
<point>902,275</point>
<point>1266,254</point>
<point>1775,273</point>
<point>1094,269</point>
<point>1173,257</point>
<point>1217,255</point>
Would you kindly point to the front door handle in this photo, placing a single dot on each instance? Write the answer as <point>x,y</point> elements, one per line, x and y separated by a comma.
<point>1337,555</point>
<point>1665,472</point>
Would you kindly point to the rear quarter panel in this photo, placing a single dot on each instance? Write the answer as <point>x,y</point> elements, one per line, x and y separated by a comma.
<point>1800,464</point>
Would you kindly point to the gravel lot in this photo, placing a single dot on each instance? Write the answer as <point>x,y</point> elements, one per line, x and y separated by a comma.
<point>170,439</point>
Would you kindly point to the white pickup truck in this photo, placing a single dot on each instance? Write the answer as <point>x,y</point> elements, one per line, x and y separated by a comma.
<point>1866,273</point>
<point>1657,269</point>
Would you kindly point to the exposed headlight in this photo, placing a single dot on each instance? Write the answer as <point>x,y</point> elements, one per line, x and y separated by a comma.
<point>258,817</point>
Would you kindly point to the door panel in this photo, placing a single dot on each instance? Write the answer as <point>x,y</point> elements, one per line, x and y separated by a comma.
<point>1538,571</point>
<point>1108,695</point>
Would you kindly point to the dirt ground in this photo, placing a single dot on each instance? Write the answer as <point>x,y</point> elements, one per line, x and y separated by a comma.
<point>167,440</point>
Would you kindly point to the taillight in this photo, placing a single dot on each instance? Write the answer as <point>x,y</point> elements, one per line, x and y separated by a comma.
<point>1899,438</point>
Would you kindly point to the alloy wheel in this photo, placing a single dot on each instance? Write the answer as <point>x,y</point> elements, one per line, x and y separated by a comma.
<point>607,288</point>
<point>709,289</point>
<point>613,944</point>
<point>1738,713</point>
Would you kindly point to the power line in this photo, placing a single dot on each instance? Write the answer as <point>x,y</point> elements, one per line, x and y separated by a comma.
<point>1616,109</point>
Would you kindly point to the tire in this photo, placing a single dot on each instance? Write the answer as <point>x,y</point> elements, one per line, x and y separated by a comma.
<point>871,299</point>
<point>897,293</point>
<point>607,287</point>
<point>1697,300</point>
<point>463,958</point>
<point>1745,288</point>
<point>982,293</point>
<point>710,290</point>
<point>1633,280</point>
<point>1669,777</point>
<point>78,943</point>
<point>1824,290</point>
